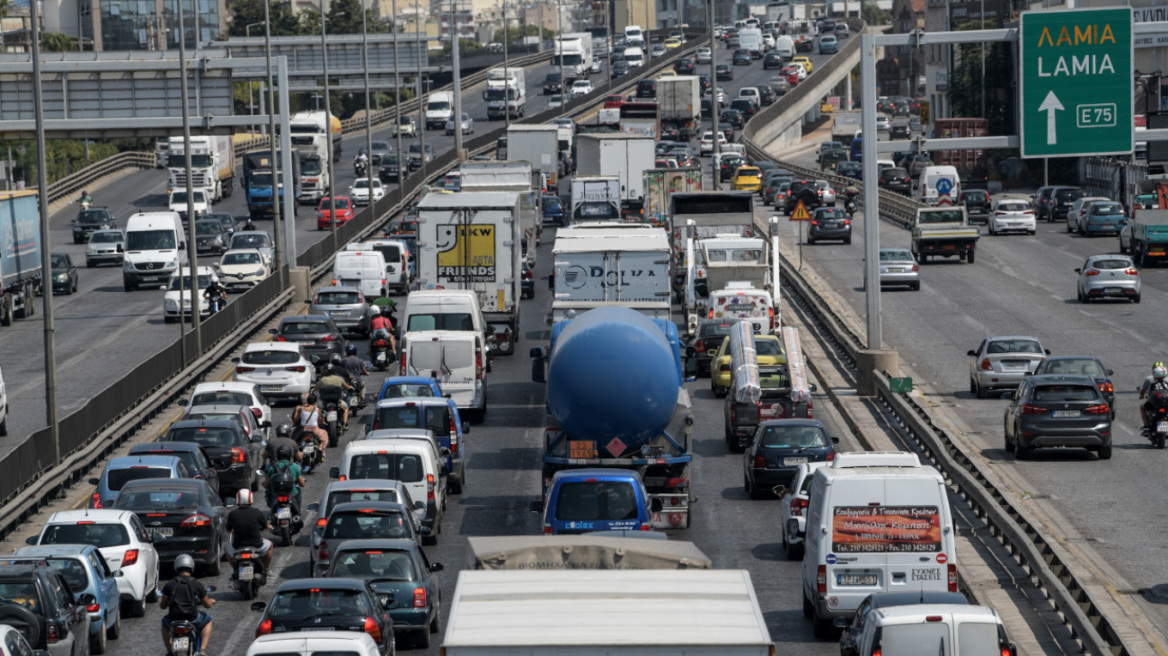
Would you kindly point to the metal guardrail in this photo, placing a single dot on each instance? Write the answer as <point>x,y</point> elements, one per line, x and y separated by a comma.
<point>1070,597</point>
<point>82,179</point>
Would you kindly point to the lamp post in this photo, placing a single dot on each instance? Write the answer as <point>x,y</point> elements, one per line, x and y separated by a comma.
<point>250,83</point>
<point>457,84</point>
<point>279,249</point>
<point>192,254</point>
<point>506,88</point>
<point>328,126</point>
<point>421,127</point>
<point>401,163</point>
<point>714,96</point>
<point>558,51</point>
<point>368,115</point>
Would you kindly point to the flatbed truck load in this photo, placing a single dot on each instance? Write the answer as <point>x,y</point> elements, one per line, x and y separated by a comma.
<point>587,551</point>
<point>606,613</point>
<point>944,231</point>
<point>1149,236</point>
<point>782,392</point>
<point>20,255</point>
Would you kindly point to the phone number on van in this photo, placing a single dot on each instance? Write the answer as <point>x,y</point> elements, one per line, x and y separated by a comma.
<point>886,529</point>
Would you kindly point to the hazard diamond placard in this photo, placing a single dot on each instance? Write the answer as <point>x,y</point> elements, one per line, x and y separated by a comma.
<point>800,213</point>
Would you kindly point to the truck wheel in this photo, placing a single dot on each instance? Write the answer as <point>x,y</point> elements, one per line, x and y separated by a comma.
<point>808,609</point>
<point>823,628</point>
<point>6,310</point>
<point>971,257</point>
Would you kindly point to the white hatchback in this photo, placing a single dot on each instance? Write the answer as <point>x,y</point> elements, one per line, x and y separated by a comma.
<point>580,88</point>
<point>228,393</point>
<point>706,145</point>
<point>350,643</point>
<point>122,540</point>
<point>278,368</point>
<point>178,289</point>
<point>359,192</point>
<point>1011,215</point>
<point>793,509</point>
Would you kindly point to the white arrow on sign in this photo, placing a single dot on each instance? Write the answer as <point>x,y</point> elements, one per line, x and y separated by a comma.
<point>1050,106</point>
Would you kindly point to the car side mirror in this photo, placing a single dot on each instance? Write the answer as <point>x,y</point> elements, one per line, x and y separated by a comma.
<point>835,440</point>
<point>1110,372</point>
<point>87,600</point>
<point>971,353</point>
<point>813,387</point>
<point>437,567</point>
<point>273,331</point>
<point>94,481</point>
<point>335,473</point>
<point>1047,351</point>
<point>258,606</point>
<point>779,490</point>
<point>655,505</point>
<point>314,507</point>
<point>536,506</point>
<point>423,530</point>
<point>419,505</point>
<point>445,452</point>
<point>182,402</point>
<point>32,540</point>
<point>1078,270</point>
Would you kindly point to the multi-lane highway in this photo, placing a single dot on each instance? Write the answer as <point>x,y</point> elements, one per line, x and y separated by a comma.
<point>503,466</point>
<point>1106,512</point>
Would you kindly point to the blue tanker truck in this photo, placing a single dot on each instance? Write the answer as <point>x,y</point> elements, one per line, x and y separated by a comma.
<point>615,398</point>
<point>20,255</point>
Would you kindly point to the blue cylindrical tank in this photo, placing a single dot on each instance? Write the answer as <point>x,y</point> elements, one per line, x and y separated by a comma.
<point>612,373</point>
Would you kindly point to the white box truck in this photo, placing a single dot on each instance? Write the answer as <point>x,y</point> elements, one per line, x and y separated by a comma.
<point>707,612</point>
<point>506,93</point>
<point>679,104</point>
<point>750,38</point>
<point>601,264</point>
<point>509,175</point>
<point>439,109</point>
<point>471,241</point>
<point>311,132</point>
<point>595,198</point>
<point>537,144</point>
<point>212,165</point>
<point>626,156</point>
<point>576,52</point>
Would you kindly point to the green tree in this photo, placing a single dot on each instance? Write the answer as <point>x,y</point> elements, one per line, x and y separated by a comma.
<point>250,12</point>
<point>874,15</point>
<point>966,86</point>
<point>57,42</point>
<point>515,34</point>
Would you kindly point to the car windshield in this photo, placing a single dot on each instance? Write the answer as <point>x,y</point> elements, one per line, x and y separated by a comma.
<point>380,565</point>
<point>770,378</point>
<point>150,240</point>
<point>86,532</point>
<point>318,601</point>
<point>397,417</point>
<point>208,227</point>
<point>404,467</point>
<point>596,501</point>
<point>270,357</point>
<point>327,204</point>
<point>106,237</point>
<point>203,436</point>
<point>365,525</point>
<point>1065,393</point>
<point>943,216</point>
<point>92,216</point>
<point>311,166</point>
<point>829,213</point>
<point>1085,367</point>
<point>454,321</point>
<point>251,240</point>
<point>407,390</point>
<point>345,496</point>
<point>304,328</point>
<point>1013,346</point>
<point>338,298</point>
<point>1112,264</point>
<point>1107,208</point>
<point>157,500</point>
<point>184,283</point>
<point>60,261</point>
<point>115,479</point>
<point>1068,195</point>
<point>793,437</point>
<point>23,594</point>
<point>895,256</point>
<point>241,258</point>
<point>220,397</point>
<point>1014,206</point>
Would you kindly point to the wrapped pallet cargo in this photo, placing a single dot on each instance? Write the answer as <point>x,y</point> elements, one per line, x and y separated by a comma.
<point>744,363</point>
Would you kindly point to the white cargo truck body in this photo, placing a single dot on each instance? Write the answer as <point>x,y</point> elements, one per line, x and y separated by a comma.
<point>506,92</point>
<point>616,613</point>
<point>212,165</point>
<point>471,241</point>
<point>604,264</point>
<point>576,51</point>
<point>537,144</point>
<point>679,103</point>
<point>595,198</point>
<point>626,156</point>
<point>509,175</point>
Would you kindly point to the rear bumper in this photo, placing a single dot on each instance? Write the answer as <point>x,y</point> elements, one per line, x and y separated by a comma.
<point>411,619</point>
<point>999,380</point>
<point>1033,437</point>
<point>202,548</point>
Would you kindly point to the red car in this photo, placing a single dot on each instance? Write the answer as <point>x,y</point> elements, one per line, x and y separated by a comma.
<point>344,209</point>
<point>792,75</point>
<point>614,102</point>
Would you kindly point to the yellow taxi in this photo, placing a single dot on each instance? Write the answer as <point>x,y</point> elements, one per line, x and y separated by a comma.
<point>804,60</point>
<point>667,73</point>
<point>672,43</point>
<point>747,178</point>
<point>769,350</point>
<point>826,108</point>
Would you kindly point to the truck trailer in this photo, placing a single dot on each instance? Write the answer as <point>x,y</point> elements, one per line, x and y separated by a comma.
<point>606,264</point>
<point>212,165</point>
<point>574,53</point>
<point>627,156</point>
<point>514,176</point>
<point>20,255</point>
<point>679,104</point>
<point>538,145</point>
<point>506,93</point>
<point>312,131</point>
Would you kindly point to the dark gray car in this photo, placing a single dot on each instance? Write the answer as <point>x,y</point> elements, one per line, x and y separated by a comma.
<point>317,335</point>
<point>1055,410</point>
<point>363,520</point>
<point>346,306</point>
<point>830,223</point>
<point>210,237</point>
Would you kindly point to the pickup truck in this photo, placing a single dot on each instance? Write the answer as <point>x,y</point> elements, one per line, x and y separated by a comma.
<point>1149,236</point>
<point>943,231</point>
<point>741,419</point>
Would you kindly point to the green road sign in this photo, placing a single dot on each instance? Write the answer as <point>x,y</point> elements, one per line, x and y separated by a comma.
<point>900,385</point>
<point>1076,82</point>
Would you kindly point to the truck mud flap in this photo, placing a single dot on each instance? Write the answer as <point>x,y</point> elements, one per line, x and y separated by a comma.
<point>674,513</point>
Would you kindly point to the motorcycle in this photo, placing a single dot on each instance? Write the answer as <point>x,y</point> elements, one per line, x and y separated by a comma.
<point>216,302</point>
<point>311,455</point>
<point>1157,431</point>
<point>250,575</point>
<point>332,419</point>
<point>850,206</point>
<point>285,513</point>
<point>379,349</point>
<point>84,204</point>
<point>359,168</point>
<point>185,639</point>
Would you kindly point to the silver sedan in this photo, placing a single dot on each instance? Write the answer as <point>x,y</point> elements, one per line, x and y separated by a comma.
<point>467,125</point>
<point>1002,362</point>
<point>898,268</point>
<point>1108,276</point>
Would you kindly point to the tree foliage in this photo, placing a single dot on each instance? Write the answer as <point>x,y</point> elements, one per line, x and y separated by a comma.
<point>250,12</point>
<point>966,88</point>
<point>57,42</point>
<point>874,15</point>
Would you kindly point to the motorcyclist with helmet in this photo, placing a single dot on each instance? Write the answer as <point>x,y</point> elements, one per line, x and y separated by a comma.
<point>333,386</point>
<point>1157,381</point>
<point>85,200</point>
<point>284,464</point>
<point>283,437</point>
<point>246,526</point>
<point>183,598</point>
<point>381,327</point>
<point>355,368</point>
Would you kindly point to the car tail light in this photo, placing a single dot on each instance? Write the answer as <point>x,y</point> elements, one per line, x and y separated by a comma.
<point>952,578</point>
<point>419,597</point>
<point>724,367</point>
<point>259,413</point>
<point>1031,212</point>
<point>733,413</point>
<point>547,530</point>
<point>985,364</point>
<point>321,522</point>
<point>771,314</point>
<point>403,362</point>
<point>244,370</point>
<point>1098,409</point>
<point>1106,388</point>
<point>916,268</point>
<point>478,363</point>
<point>264,628</point>
<point>52,632</point>
<point>238,454</point>
<point>1091,272</point>
<point>373,629</point>
<point>760,461</point>
<point>298,369</point>
<point>1028,409</point>
<point>281,338</point>
<point>798,505</point>
<point>1132,272</point>
<point>96,499</point>
<point>999,214</point>
<point>322,555</point>
<point>197,519</point>
<point>847,222</point>
<point>821,579</point>
<point>332,337</point>
<point>130,558</point>
<point>282,499</point>
<point>453,428</point>
<point>430,486</point>
<point>699,346</point>
<point>94,607</point>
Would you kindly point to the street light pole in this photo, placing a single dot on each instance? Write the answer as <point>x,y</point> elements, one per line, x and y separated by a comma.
<point>251,83</point>
<point>289,257</point>
<point>421,127</point>
<point>457,85</point>
<point>192,254</point>
<point>328,133</point>
<point>368,114</point>
<point>558,51</point>
<point>401,162</point>
<point>714,97</point>
<point>506,87</point>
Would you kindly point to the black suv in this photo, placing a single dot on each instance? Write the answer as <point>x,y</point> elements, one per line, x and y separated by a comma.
<point>806,191</point>
<point>553,83</point>
<point>87,221</point>
<point>1061,199</point>
<point>235,456</point>
<point>684,66</point>
<point>36,600</point>
<point>647,89</point>
<point>977,204</point>
<point>895,179</point>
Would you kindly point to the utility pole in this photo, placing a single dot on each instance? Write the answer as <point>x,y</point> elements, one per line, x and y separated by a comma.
<point>401,155</point>
<point>457,85</point>
<point>328,132</point>
<point>558,51</point>
<point>714,97</point>
<point>368,111</point>
<point>506,87</point>
<point>421,127</point>
<point>289,256</point>
<point>192,253</point>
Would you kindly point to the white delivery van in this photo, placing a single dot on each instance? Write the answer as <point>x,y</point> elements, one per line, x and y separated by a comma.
<point>938,185</point>
<point>876,522</point>
<point>634,35</point>
<point>443,309</point>
<point>154,249</point>
<point>456,359</point>
<point>363,269</point>
<point>785,46</point>
<point>410,461</point>
<point>439,109</point>
<point>634,56</point>
<point>931,629</point>
<point>397,261</point>
<point>743,301</point>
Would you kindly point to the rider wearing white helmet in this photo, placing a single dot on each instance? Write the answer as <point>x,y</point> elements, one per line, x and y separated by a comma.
<point>1157,381</point>
<point>246,526</point>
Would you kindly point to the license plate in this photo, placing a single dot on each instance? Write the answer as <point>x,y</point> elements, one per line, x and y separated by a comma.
<point>794,461</point>
<point>283,513</point>
<point>331,415</point>
<point>246,573</point>
<point>767,412</point>
<point>1162,427</point>
<point>1065,413</point>
<point>308,342</point>
<point>180,643</point>
<point>271,388</point>
<point>855,579</point>
<point>165,532</point>
<point>580,449</point>
<point>338,313</point>
<point>308,449</point>
<point>1112,290</point>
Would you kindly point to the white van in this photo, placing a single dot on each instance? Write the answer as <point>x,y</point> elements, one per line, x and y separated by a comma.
<point>634,56</point>
<point>634,36</point>
<point>439,109</point>
<point>397,261</point>
<point>740,300</point>
<point>443,309</point>
<point>938,185</point>
<point>154,249</point>
<point>785,46</point>
<point>410,461</point>
<point>457,359</point>
<point>876,522</point>
<point>930,629</point>
<point>363,269</point>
